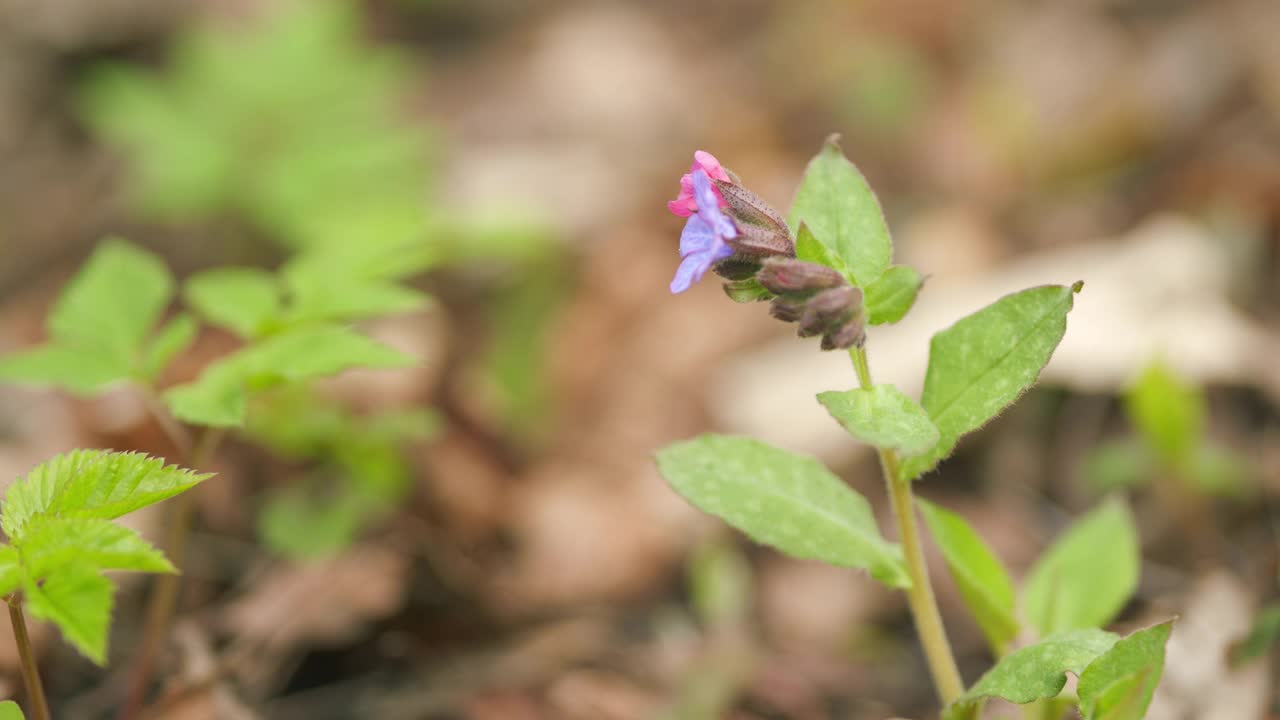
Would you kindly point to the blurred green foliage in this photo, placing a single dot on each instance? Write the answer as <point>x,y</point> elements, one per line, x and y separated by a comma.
<point>1170,418</point>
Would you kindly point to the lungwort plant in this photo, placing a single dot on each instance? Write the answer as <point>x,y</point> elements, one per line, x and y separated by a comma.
<point>828,268</point>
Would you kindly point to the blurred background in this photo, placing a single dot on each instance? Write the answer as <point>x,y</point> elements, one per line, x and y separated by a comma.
<point>485,535</point>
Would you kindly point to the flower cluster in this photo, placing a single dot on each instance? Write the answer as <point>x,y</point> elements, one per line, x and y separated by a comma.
<point>733,231</point>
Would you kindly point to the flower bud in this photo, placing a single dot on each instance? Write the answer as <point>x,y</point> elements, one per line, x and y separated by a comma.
<point>747,208</point>
<point>784,276</point>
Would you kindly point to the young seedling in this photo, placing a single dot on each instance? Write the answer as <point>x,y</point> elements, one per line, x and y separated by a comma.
<point>828,268</point>
<point>60,540</point>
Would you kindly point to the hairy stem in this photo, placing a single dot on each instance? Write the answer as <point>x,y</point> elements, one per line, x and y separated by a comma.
<point>920,598</point>
<point>30,671</point>
<point>163,598</point>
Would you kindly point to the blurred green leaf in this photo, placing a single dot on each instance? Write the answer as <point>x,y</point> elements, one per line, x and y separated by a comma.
<point>1085,578</point>
<point>889,298</point>
<point>171,340</point>
<point>1118,465</point>
<point>1035,672</point>
<point>978,573</point>
<point>1264,635</point>
<point>9,710</point>
<point>844,216</point>
<point>782,499</point>
<point>302,524</point>
<point>10,570</point>
<point>1118,685</point>
<point>1218,470</point>
<point>245,301</point>
<point>980,365</point>
<point>720,582</point>
<point>883,417</point>
<point>1169,413</point>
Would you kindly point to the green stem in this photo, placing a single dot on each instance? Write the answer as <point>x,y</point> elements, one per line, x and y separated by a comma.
<point>163,599</point>
<point>920,598</point>
<point>30,670</point>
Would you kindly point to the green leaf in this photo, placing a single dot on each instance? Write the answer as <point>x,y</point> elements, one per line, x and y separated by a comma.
<point>219,397</point>
<point>844,215</point>
<point>9,710</point>
<point>1118,465</point>
<point>1264,634</point>
<point>782,499</point>
<point>170,341</point>
<point>112,303</point>
<point>1168,411</point>
<point>1085,578</point>
<point>890,297</point>
<point>748,290</point>
<point>720,582</point>
<point>1219,470</point>
<point>1118,685</point>
<point>298,525</point>
<point>91,484</point>
<point>883,417</point>
<point>78,600</point>
<point>980,365</point>
<point>243,300</point>
<point>809,249</point>
<point>978,573</point>
<point>50,542</point>
<point>79,371</point>
<point>1035,672</point>
<point>352,301</point>
<point>10,570</point>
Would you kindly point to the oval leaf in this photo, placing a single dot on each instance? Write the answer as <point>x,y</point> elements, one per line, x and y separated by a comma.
<point>882,416</point>
<point>1088,574</point>
<point>1035,672</point>
<point>1119,684</point>
<point>844,215</point>
<point>782,499</point>
<point>889,298</point>
<point>978,573</point>
<point>980,365</point>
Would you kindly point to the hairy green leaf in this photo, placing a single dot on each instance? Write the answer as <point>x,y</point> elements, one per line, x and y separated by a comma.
<point>882,416</point>
<point>1168,411</point>
<point>1118,685</point>
<point>782,499</point>
<point>78,600</point>
<point>978,573</point>
<point>170,341</point>
<point>810,249</point>
<point>980,365</point>
<point>243,300</point>
<point>49,543</point>
<point>1035,672</point>
<point>842,212</point>
<point>890,297</point>
<point>1085,578</point>
<point>91,484</point>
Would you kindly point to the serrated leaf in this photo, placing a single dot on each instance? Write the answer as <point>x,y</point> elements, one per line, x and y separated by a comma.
<point>170,341</point>
<point>49,543</point>
<point>978,573</point>
<point>1168,411</point>
<point>890,297</point>
<point>242,300</point>
<point>1035,672</point>
<point>91,484</point>
<point>842,212</point>
<point>79,601</point>
<point>1085,578</point>
<point>9,710</point>
<point>980,365</point>
<point>219,397</point>
<point>78,371</point>
<point>882,416</point>
<point>1118,685</point>
<point>10,570</point>
<point>113,302</point>
<point>782,499</point>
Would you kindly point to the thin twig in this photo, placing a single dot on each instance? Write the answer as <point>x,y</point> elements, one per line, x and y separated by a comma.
<point>30,670</point>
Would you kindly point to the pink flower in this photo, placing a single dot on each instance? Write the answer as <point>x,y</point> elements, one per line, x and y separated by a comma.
<point>685,205</point>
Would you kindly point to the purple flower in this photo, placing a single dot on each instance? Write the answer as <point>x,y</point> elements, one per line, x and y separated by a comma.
<point>702,244</point>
